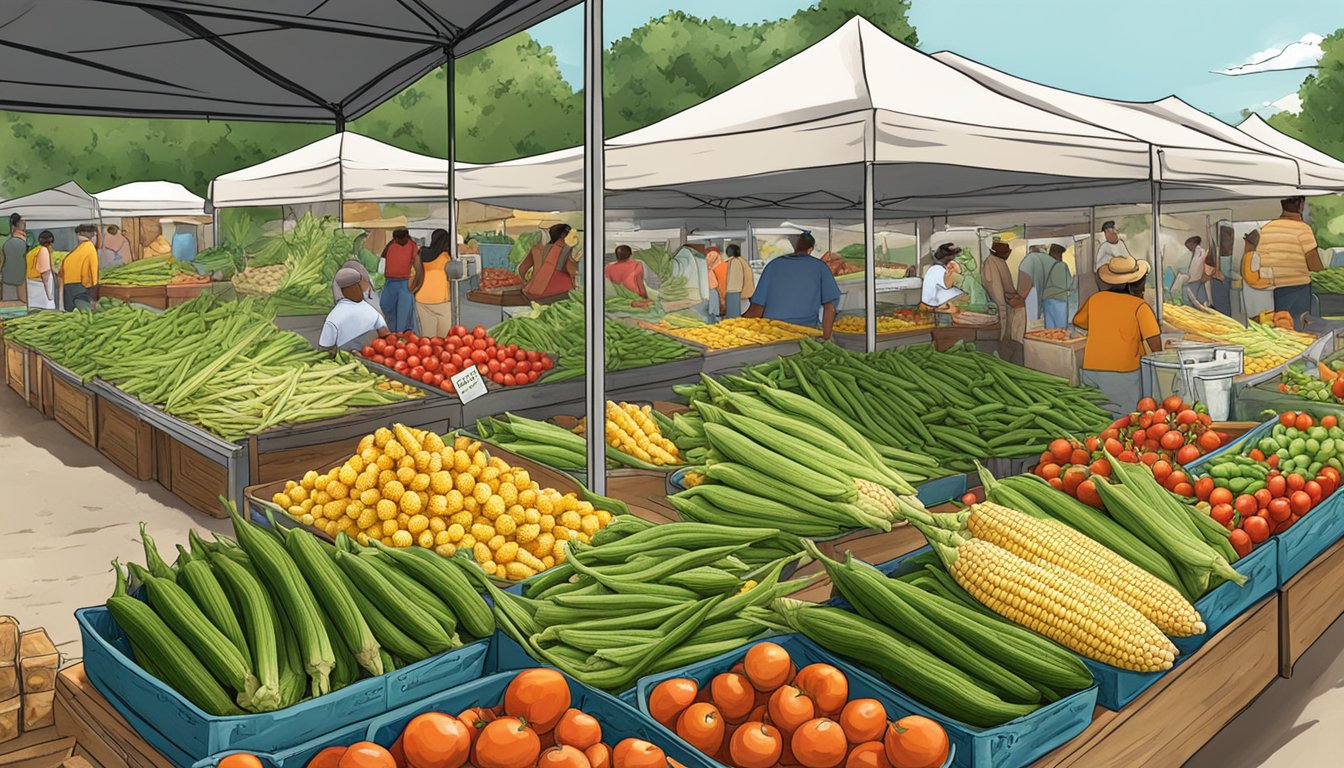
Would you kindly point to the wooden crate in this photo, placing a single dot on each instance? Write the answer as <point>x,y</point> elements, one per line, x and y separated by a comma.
<point>16,368</point>
<point>9,658</point>
<point>198,479</point>
<point>11,720</point>
<point>125,439</point>
<point>39,710</point>
<point>38,661</point>
<point>1308,605</point>
<point>149,295</point>
<point>1173,719</point>
<point>1058,358</point>
<point>46,389</point>
<point>83,713</point>
<point>43,748</point>
<point>74,408</point>
<point>163,458</point>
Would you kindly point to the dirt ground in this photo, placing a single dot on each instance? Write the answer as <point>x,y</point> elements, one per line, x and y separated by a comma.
<point>66,512</point>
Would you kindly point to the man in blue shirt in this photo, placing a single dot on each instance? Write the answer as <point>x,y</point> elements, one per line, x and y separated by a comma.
<point>797,289</point>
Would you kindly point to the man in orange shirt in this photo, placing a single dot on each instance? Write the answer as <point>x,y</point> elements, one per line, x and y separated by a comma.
<point>1288,256</point>
<point>1119,324</point>
<point>79,270</point>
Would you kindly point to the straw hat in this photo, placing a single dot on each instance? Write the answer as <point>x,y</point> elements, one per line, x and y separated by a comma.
<point>1123,270</point>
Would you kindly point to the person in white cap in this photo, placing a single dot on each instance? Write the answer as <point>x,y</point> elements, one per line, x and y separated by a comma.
<point>353,322</point>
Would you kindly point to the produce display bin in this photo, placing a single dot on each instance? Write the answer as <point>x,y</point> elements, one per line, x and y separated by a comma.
<point>150,295</point>
<point>1058,358</point>
<point>181,727</point>
<point>720,361</point>
<point>181,293</point>
<point>858,342</point>
<point>1309,604</point>
<point>1251,403</point>
<point>619,720</point>
<point>500,297</point>
<point>654,382</point>
<point>1012,745</point>
<point>74,406</point>
<point>296,756</point>
<point>1329,304</point>
<point>23,367</point>
<point>1220,607</point>
<point>126,440</point>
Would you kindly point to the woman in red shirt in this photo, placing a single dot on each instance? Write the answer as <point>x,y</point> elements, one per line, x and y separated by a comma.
<point>548,270</point>
<point>399,265</point>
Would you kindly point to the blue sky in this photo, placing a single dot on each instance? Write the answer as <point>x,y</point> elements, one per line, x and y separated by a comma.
<point>1139,50</point>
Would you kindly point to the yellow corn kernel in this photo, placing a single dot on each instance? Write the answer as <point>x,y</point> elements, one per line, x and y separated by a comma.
<point>527,532</point>
<point>445,550</point>
<point>337,491</point>
<point>367,518</point>
<point>390,527</point>
<point>419,482</point>
<point>440,482</point>
<point>394,491</point>
<point>282,500</point>
<point>506,525</point>
<point>417,524</point>
<point>353,509</point>
<point>405,475</point>
<point>495,542</point>
<point>482,493</point>
<point>518,571</point>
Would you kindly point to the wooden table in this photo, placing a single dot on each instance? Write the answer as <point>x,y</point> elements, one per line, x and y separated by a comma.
<point>945,336</point>
<point>1308,604</point>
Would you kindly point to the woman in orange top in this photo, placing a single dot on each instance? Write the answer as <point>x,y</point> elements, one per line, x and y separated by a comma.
<point>433,295</point>
<point>548,270</point>
<point>1121,329</point>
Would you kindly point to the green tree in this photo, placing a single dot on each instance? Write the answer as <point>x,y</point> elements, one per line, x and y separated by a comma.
<point>1318,124</point>
<point>679,60</point>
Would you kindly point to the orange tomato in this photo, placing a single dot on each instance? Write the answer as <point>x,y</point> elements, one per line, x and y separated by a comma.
<point>1103,467</point>
<point>1329,422</point>
<point>506,743</point>
<point>436,740</point>
<point>1073,478</point>
<point>1218,495</point>
<point>1288,418</point>
<point>327,758</point>
<point>1209,441</point>
<point>827,686</point>
<point>1061,449</point>
<point>1172,441</point>
<point>1087,493</point>
<point>1241,542</point>
<point>1257,528</point>
<point>1296,482</point>
<point>1178,476</point>
<point>599,755</point>
<point>563,757</point>
<point>1079,456</point>
<point>767,666</point>
<point>1057,484</point>
<point>670,698</point>
<point>756,745</point>
<point>789,708</point>
<point>1146,404</point>
<point>1187,454</point>
<point>1314,491</point>
<point>637,753</point>
<point>577,729</point>
<point>240,760</point>
<point>819,743</point>
<point>365,754</point>
<point>916,742</point>
<point>863,720</point>
<point>399,752</point>
<point>1162,470</point>
<point>1092,444</point>
<point>870,754</point>
<point>701,726</point>
<point>1300,503</point>
<point>1050,471</point>
<point>1187,417</point>
<point>1246,505</point>
<point>1222,514</point>
<point>1183,489</point>
<point>1173,404</point>
<point>1303,421</point>
<point>1114,447</point>
<point>539,696</point>
<point>1204,490</point>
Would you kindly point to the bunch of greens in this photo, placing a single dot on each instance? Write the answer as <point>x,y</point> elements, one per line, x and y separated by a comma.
<point>314,250</point>
<point>522,246</point>
<point>491,238</point>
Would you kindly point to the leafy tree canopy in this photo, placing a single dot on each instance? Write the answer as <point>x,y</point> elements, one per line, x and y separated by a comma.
<point>1318,124</point>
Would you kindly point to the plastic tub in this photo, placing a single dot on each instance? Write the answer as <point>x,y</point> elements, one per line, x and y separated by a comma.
<point>181,727</point>
<point>619,720</point>
<point>297,757</point>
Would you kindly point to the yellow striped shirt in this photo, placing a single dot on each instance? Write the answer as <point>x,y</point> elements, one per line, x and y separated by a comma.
<point>1284,245</point>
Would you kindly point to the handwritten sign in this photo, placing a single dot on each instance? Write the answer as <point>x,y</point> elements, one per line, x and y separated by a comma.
<point>469,384</point>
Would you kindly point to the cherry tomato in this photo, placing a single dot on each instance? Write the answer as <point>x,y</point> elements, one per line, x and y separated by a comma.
<point>510,380</point>
<point>1314,491</point>
<point>1183,489</point>
<point>1187,454</point>
<point>1147,404</point>
<point>1177,477</point>
<point>1187,417</point>
<point>1087,493</point>
<point>1257,528</point>
<point>1128,457</point>
<point>1288,418</point>
<point>1296,482</point>
<point>1256,454</point>
<point>1220,496</point>
<point>1079,456</point>
<point>1139,437</point>
<point>1272,460</point>
<point>1114,447</point>
<point>1246,505</point>
<point>1162,470</point>
<point>479,332</point>
<point>1329,422</point>
<point>1303,422</point>
<point>399,353</point>
<point>1299,503</point>
<point>1100,467</point>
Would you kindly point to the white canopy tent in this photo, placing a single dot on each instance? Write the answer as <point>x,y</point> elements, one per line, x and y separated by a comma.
<point>341,167</point>
<point>65,206</point>
<point>1318,168</point>
<point>150,199</point>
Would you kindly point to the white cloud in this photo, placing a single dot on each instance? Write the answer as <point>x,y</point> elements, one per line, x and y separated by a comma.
<point>1301,53</point>
<point>1291,103</point>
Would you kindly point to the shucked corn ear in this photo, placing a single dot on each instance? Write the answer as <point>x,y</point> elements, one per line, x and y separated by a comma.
<point>1047,542</point>
<point>1060,605</point>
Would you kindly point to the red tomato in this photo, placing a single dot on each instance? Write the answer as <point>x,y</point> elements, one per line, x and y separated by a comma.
<point>508,365</point>
<point>479,356</point>
<point>1303,421</point>
<point>478,332</point>
<point>379,344</point>
<point>427,377</point>
<point>1280,510</point>
<point>1329,422</point>
<point>1205,419</point>
<point>1128,457</point>
<point>1288,418</point>
<point>1087,493</point>
<point>1173,404</point>
<point>417,372</point>
<point>533,376</point>
<point>478,344</point>
<point>1159,415</point>
<point>410,336</point>
<point>1256,454</point>
<point>450,370</point>
<point>1296,482</point>
<point>446,386</point>
<point>492,365</point>
<point>1100,467</point>
<point>510,380</point>
<point>1204,491</point>
<point>1157,431</point>
<point>1162,470</point>
<point>1049,471</point>
<point>1222,514</point>
<point>1272,460</point>
<point>498,378</point>
<point>481,369</point>
<point>1062,450</point>
<point>1079,456</point>
<point>1150,458</point>
<point>413,360</point>
<point>400,366</point>
<point>1257,528</point>
<point>1246,505</point>
<point>1177,477</point>
<point>1327,484</point>
<point>1146,420</point>
<point>489,340</point>
<point>1210,441</point>
<point>438,379</point>
<point>968,499</point>
<point>1263,497</point>
<point>1172,441</point>
<point>1147,404</point>
<point>432,363</point>
<point>1187,454</point>
<point>533,357</point>
<point>1277,485</point>
<point>1183,489</point>
<point>1219,495</point>
<point>400,353</point>
<point>1241,542</point>
<point>1139,437</point>
<point>499,353</point>
<point>547,363</point>
<point>1314,490</point>
<point>1331,473</point>
<point>367,351</point>
<point>459,330</point>
<point>1300,503</point>
<point>1187,417</point>
<point>519,354</point>
<point>1114,447</point>
<point>523,366</point>
<point>426,350</point>
<point>457,361</point>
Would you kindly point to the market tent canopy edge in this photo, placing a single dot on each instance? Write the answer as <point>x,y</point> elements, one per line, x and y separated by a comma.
<point>1317,166</point>
<point>297,61</point>
<point>67,205</point>
<point>149,198</point>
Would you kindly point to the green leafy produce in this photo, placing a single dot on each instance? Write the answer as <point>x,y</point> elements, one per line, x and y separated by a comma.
<point>223,366</point>
<point>657,259</point>
<point>314,249</point>
<point>158,270</point>
<point>226,259</point>
<point>522,246</point>
<point>1328,280</point>
<point>491,238</point>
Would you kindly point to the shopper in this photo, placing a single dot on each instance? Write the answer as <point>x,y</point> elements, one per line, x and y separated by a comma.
<point>627,272</point>
<point>940,282</point>
<point>116,249</point>
<point>1288,256</point>
<point>1008,289</point>
<point>1119,323</point>
<point>1257,293</point>
<point>1199,274</point>
<point>736,282</point>
<point>41,282</point>
<point>79,271</point>
<point>1111,246</point>
<point>1036,264</point>
<point>549,269</point>
<point>796,289</point>
<point>713,301</point>
<point>365,282</point>
<point>15,261</point>
<point>353,322</point>
<point>397,263</point>
<point>1055,289</point>
<point>433,291</point>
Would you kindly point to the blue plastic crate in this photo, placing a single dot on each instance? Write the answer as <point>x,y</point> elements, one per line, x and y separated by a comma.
<point>1011,745</point>
<point>296,757</point>
<point>619,720</point>
<point>495,255</point>
<point>183,728</point>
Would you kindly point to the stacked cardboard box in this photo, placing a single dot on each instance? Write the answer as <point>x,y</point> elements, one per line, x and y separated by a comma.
<point>28,666</point>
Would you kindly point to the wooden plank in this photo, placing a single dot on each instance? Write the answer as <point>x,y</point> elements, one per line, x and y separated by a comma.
<point>38,661</point>
<point>46,399</point>
<point>1309,605</point>
<point>76,761</point>
<point>83,700</point>
<point>15,368</point>
<point>874,546</point>
<point>1163,727</point>
<point>9,657</point>
<point>125,439</point>
<point>163,458</point>
<point>37,710</point>
<point>49,754</point>
<point>197,479</point>
<point>99,747</point>
<point>75,408</point>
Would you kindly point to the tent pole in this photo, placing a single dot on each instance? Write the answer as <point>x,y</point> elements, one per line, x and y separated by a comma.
<point>870,261</point>
<point>594,235</point>
<point>340,172</point>
<point>450,82</point>
<point>1157,246</point>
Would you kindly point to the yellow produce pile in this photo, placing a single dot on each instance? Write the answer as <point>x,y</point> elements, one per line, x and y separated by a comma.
<point>739,332</point>
<point>393,385</point>
<point>885,324</point>
<point>405,487</point>
<point>1266,346</point>
<point>632,430</point>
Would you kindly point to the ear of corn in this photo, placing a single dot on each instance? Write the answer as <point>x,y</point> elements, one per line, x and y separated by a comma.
<point>1046,542</point>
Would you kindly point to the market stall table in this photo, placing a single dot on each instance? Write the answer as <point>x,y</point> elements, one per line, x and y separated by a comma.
<point>947,336</point>
<point>150,295</point>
